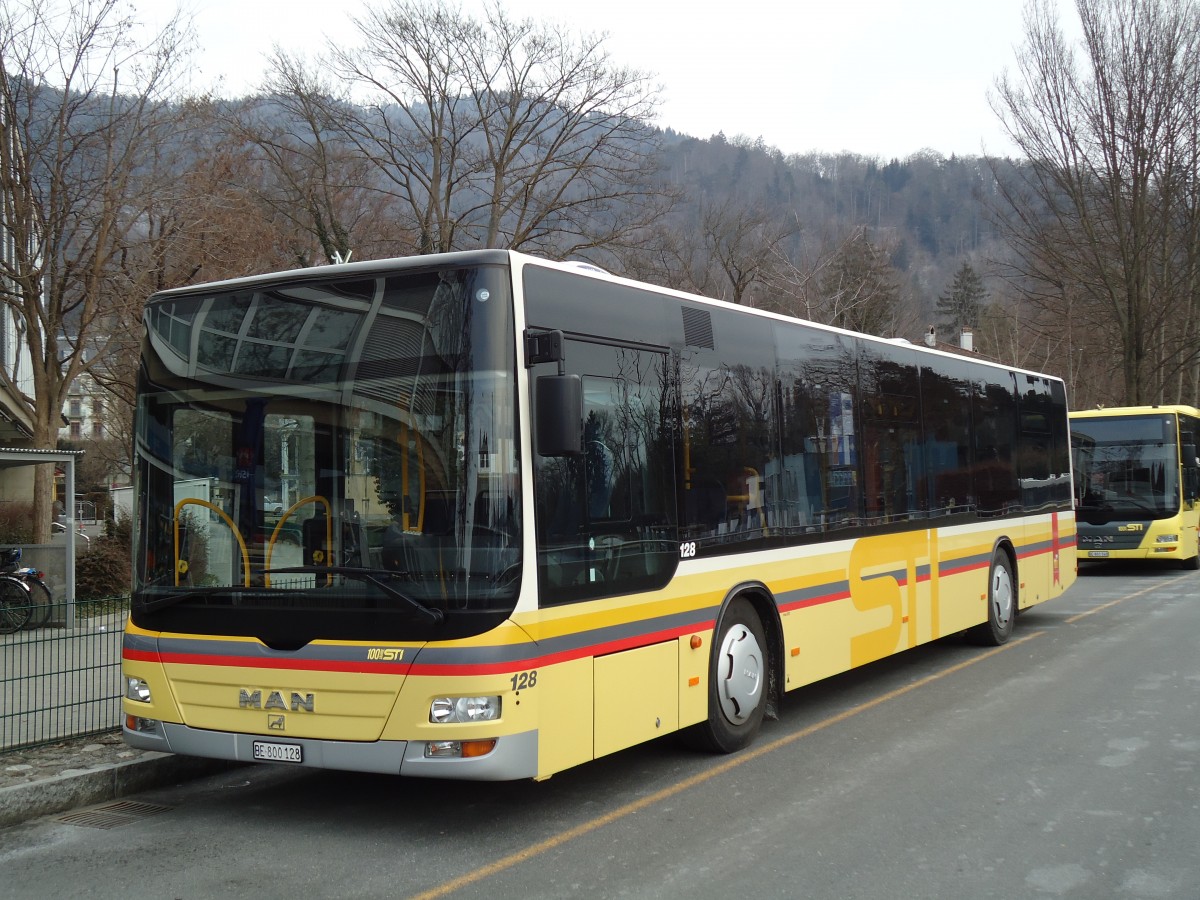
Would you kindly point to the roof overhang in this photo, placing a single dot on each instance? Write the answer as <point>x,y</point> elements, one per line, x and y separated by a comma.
<point>16,419</point>
<point>10,458</point>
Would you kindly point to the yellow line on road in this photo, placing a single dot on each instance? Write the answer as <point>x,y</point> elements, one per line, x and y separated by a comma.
<point>733,762</point>
<point>1104,606</point>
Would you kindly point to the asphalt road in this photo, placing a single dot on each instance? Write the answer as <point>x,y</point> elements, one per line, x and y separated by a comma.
<point>1061,765</point>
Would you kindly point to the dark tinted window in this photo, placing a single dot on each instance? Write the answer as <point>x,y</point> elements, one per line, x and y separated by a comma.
<point>580,305</point>
<point>818,469</point>
<point>893,461</point>
<point>1044,477</point>
<point>994,412</point>
<point>730,436</point>
<point>606,518</point>
<point>1060,448</point>
<point>946,402</point>
<point>785,431</point>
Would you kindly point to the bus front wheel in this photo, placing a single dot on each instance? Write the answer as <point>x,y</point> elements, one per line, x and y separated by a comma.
<point>737,682</point>
<point>1002,604</point>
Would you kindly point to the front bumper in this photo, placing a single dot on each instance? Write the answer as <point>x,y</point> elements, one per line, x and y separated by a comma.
<point>515,756</point>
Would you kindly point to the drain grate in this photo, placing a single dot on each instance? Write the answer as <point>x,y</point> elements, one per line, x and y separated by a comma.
<point>113,815</point>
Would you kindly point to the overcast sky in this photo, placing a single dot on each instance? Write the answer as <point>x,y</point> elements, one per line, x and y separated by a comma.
<point>883,78</point>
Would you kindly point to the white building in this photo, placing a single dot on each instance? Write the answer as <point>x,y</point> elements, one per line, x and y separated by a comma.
<point>84,411</point>
<point>16,383</point>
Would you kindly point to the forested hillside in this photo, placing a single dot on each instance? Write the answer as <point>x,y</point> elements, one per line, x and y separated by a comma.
<point>850,240</point>
<point>925,214</point>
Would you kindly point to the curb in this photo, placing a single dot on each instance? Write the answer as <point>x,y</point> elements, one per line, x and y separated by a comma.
<point>21,802</point>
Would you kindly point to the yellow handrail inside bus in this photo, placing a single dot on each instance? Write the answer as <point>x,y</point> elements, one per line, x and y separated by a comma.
<point>405,515</point>
<point>228,521</point>
<point>282,519</point>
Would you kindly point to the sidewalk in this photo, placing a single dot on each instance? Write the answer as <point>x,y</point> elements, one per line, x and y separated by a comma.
<point>84,771</point>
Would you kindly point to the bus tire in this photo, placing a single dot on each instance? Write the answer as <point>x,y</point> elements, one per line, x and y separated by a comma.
<point>1002,604</point>
<point>737,682</point>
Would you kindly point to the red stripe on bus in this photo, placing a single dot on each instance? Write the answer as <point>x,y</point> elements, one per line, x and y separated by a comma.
<point>303,665</point>
<point>959,570</point>
<point>815,601</point>
<point>417,668</point>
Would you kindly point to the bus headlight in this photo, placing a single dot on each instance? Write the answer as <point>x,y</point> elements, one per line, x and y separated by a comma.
<point>136,689</point>
<point>1167,539</point>
<point>464,709</point>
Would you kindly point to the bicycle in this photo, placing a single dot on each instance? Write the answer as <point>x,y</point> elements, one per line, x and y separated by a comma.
<point>15,604</point>
<point>39,599</point>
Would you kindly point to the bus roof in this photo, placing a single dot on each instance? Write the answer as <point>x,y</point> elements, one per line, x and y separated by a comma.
<point>591,271</point>
<point>517,260</point>
<point>1116,412</point>
<point>334,270</point>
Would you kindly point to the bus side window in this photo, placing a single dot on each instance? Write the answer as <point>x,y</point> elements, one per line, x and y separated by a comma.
<point>994,412</point>
<point>606,516</point>
<point>1189,461</point>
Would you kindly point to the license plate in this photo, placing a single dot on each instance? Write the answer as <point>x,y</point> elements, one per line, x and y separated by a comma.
<point>268,751</point>
<point>1097,554</point>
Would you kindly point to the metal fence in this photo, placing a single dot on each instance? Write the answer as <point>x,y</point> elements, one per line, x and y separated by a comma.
<point>60,681</point>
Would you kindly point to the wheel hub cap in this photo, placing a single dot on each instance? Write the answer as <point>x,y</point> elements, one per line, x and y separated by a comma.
<point>1002,595</point>
<point>740,675</point>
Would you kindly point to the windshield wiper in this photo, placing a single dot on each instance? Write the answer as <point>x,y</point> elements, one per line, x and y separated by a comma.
<point>157,603</point>
<point>371,576</point>
<point>1135,502</point>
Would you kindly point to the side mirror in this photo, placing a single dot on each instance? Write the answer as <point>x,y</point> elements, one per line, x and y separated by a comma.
<point>1187,452</point>
<point>559,409</point>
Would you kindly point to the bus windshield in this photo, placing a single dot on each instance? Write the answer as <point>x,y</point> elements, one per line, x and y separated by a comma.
<point>340,446</point>
<point>1126,467</point>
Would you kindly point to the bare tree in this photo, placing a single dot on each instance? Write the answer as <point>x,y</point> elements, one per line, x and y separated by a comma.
<point>744,240</point>
<point>310,177</point>
<point>204,221</point>
<point>500,133</point>
<point>859,290</point>
<point>1110,174</point>
<point>730,249</point>
<point>80,101</point>
<point>796,286</point>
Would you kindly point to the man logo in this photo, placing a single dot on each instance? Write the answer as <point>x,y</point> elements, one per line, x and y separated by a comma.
<point>275,723</point>
<point>253,699</point>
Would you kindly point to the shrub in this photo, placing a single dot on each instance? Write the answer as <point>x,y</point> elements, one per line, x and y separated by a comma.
<point>120,529</point>
<point>16,522</point>
<point>103,570</point>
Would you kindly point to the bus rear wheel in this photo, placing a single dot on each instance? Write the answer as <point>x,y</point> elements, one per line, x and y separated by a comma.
<point>1002,604</point>
<point>737,682</point>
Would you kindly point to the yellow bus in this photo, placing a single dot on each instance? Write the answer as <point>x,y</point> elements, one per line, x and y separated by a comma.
<point>524,514</point>
<point>1137,483</point>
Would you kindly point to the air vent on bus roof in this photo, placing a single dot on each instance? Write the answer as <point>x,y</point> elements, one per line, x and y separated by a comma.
<point>586,266</point>
<point>697,327</point>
